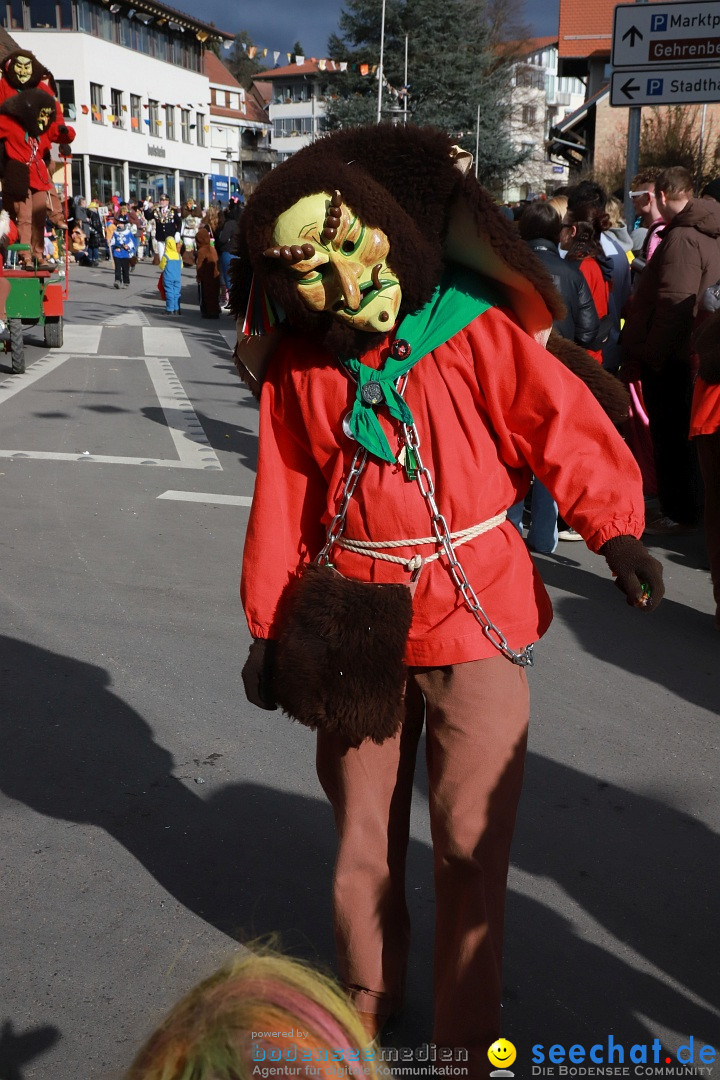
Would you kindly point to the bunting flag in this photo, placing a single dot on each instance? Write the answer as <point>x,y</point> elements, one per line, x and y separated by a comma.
<point>134,122</point>
<point>85,110</point>
<point>148,123</point>
<point>124,108</point>
<point>264,53</point>
<point>252,51</point>
<point>276,57</point>
<point>322,65</point>
<point>364,69</point>
<point>289,56</point>
<point>299,59</point>
<point>343,65</point>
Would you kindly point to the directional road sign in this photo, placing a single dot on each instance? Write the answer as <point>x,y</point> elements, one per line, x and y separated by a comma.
<point>665,86</point>
<point>646,35</point>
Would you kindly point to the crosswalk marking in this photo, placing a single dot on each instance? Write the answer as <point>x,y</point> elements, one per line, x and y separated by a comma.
<point>207,497</point>
<point>81,340</point>
<point>187,432</point>
<point>164,341</point>
<point>158,344</point>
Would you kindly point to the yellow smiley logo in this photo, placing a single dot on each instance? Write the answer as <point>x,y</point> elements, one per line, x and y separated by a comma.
<point>502,1054</point>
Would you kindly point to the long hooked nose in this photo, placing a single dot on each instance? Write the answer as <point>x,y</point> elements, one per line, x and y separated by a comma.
<point>347,274</point>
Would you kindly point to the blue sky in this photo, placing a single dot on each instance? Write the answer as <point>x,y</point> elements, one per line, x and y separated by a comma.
<point>278,24</point>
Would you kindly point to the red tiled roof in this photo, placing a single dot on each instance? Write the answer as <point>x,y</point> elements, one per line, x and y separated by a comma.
<point>586,28</point>
<point>309,67</point>
<point>217,72</point>
<point>252,111</point>
<point>262,91</point>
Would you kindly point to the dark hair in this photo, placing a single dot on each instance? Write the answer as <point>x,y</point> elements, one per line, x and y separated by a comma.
<point>674,181</point>
<point>586,193</point>
<point>540,221</point>
<point>590,222</point>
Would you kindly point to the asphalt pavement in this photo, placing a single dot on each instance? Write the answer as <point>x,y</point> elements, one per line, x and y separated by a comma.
<point>153,821</point>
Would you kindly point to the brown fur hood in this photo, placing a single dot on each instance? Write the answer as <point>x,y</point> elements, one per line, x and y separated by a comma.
<point>39,72</point>
<point>25,107</point>
<point>416,186</point>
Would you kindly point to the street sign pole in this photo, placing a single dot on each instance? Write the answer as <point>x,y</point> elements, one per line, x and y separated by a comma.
<point>632,160</point>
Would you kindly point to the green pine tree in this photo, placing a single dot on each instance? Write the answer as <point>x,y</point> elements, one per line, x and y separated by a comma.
<point>455,68</point>
<point>239,63</point>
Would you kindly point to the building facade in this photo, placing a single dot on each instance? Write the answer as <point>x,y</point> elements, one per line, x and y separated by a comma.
<point>540,97</point>
<point>297,104</point>
<point>132,83</point>
<point>239,134</point>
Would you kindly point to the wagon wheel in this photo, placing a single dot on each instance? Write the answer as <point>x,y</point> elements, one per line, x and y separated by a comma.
<point>17,346</point>
<point>54,332</point>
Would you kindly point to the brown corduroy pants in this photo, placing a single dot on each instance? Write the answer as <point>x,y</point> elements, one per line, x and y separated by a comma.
<point>476,717</point>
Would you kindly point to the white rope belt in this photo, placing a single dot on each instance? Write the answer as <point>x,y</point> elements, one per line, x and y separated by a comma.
<point>373,548</point>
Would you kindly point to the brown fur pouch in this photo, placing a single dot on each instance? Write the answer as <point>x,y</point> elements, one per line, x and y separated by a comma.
<point>339,662</point>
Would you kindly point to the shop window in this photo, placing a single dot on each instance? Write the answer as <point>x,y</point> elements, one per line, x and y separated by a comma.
<point>136,114</point>
<point>185,125</point>
<point>116,99</point>
<point>66,97</point>
<point>96,103</point>
<point>170,121</point>
<point>84,21</point>
<point>43,15</point>
<point>14,15</point>
<point>200,128</point>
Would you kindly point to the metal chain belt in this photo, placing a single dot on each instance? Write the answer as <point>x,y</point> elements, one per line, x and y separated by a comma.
<point>442,534</point>
<point>441,530</point>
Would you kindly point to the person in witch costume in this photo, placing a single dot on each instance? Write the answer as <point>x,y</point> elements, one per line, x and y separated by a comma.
<point>405,398</point>
<point>21,71</point>
<point>27,129</point>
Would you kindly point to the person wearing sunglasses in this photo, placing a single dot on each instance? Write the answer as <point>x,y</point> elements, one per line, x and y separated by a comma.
<point>642,193</point>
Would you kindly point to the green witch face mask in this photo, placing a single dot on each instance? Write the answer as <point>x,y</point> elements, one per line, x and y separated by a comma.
<point>338,263</point>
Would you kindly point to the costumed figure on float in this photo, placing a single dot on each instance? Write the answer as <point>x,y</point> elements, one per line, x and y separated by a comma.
<point>28,128</point>
<point>393,325</point>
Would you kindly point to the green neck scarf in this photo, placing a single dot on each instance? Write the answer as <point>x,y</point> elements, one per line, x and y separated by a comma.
<point>458,299</point>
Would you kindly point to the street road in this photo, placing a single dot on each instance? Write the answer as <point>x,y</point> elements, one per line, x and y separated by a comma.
<point>152,820</point>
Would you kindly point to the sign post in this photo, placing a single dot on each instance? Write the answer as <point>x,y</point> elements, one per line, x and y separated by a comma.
<point>663,54</point>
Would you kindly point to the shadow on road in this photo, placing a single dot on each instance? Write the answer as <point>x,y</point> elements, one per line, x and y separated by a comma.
<point>19,1050</point>
<point>253,860</point>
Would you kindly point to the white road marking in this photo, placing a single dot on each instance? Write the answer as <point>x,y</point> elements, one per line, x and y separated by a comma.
<point>15,383</point>
<point>164,341</point>
<point>81,340</point>
<point>207,497</point>
<point>192,444</point>
<point>229,333</point>
<point>187,432</point>
<point>128,318</point>
<point>105,459</point>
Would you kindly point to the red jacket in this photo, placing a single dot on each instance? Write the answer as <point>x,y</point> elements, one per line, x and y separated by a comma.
<point>20,146</point>
<point>491,406</point>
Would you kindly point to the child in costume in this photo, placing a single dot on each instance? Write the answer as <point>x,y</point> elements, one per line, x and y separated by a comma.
<point>259,1012</point>
<point>27,131</point>
<point>208,274</point>
<point>123,246</point>
<point>170,268</point>
<point>402,409</point>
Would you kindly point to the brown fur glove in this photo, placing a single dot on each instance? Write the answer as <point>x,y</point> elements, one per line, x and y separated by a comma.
<point>635,569</point>
<point>257,674</point>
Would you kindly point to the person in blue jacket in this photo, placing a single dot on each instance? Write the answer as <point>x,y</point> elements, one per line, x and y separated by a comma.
<point>170,266</point>
<point>123,246</point>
